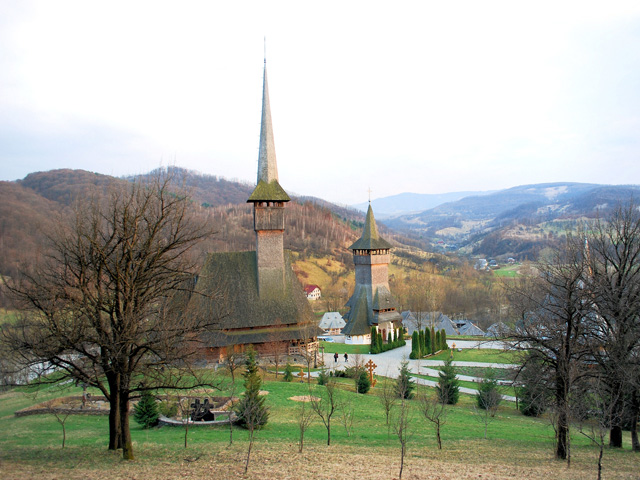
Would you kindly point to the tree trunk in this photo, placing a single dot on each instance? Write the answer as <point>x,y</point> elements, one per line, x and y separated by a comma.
<point>246,465</point>
<point>115,431</point>
<point>562,429</point>
<point>125,433</point>
<point>329,431</point>
<point>635,412</point>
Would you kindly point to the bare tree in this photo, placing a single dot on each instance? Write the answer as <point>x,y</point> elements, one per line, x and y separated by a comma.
<point>232,365</point>
<point>347,416</point>
<point>61,418</point>
<point>401,422</point>
<point>304,420</point>
<point>552,307</point>
<point>614,283</point>
<point>485,415</point>
<point>325,403</point>
<point>388,398</point>
<point>595,414</point>
<point>435,412</point>
<point>184,410</point>
<point>277,349</point>
<point>103,305</point>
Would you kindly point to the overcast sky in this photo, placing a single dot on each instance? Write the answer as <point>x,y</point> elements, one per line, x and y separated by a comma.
<point>426,97</point>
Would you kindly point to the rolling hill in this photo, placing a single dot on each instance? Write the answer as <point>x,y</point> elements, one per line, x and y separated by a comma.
<point>516,222</point>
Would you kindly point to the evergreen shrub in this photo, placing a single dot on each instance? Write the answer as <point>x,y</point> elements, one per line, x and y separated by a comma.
<point>146,410</point>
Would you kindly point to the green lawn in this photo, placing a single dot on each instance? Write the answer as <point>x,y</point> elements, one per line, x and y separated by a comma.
<point>341,348</point>
<point>499,373</point>
<point>507,271</point>
<point>31,445</point>
<point>505,390</point>
<point>485,355</point>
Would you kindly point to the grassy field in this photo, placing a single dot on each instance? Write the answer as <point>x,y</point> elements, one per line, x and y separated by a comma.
<point>505,390</point>
<point>341,348</point>
<point>517,446</point>
<point>486,355</point>
<point>510,271</point>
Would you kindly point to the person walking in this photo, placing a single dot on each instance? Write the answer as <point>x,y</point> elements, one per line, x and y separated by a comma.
<point>335,358</point>
<point>346,357</point>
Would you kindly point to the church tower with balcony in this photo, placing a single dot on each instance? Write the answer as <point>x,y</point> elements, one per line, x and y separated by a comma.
<point>371,304</point>
<point>269,200</point>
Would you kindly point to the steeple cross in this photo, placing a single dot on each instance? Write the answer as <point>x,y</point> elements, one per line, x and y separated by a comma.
<point>369,190</point>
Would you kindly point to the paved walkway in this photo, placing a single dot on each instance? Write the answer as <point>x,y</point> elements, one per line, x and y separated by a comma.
<point>388,363</point>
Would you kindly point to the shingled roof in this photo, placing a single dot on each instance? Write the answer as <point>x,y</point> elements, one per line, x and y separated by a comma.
<point>370,239</point>
<point>230,287</point>
<point>358,316</point>
<point>268,192</point>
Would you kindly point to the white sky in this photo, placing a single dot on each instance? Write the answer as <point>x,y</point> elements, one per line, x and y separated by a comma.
<point>424,96</point>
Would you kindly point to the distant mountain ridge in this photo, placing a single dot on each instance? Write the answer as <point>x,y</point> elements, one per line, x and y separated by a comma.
<point>518,221</point>
<point>408,203</point>
<point>513,221</point>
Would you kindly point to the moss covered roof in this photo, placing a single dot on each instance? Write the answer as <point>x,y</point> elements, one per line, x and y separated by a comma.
<point>358,321</point>
<point>268,192</point>
<point>370,239</point>
<point>227,290</point>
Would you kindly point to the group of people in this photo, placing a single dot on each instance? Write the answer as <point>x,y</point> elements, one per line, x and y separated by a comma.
<point>335,357</point>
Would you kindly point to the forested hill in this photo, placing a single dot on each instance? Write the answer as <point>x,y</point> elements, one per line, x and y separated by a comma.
<point>313,227</point>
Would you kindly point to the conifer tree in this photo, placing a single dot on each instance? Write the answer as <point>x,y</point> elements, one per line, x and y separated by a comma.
<point>427,341</point>
<point>146,410</point>
<point>438,342</point>
<point>488,397</point>
<point>421,350</point>
<point>433,340</point>
<point>288,373</point>
<point>404,383</point>
<point>415,347</point>
<point>251,409</point>
<point>443,340</point>
<point>448,388</point>
<point>374,340</point>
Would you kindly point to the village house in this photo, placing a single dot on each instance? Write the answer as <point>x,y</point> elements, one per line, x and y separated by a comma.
<point>332,323</point>
<point>313,292</point>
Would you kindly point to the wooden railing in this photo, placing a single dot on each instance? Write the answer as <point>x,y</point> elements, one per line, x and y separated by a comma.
<point>300,349</point>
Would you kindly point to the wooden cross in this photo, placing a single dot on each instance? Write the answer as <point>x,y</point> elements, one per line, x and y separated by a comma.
<point>370,366</point>
<point>301,375</point>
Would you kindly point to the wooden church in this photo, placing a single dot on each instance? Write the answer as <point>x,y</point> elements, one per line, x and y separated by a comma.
<point>253,297</point>
<point>372,304</point>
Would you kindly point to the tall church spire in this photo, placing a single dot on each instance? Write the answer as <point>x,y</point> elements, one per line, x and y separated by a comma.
<point>267,189</point>
<point>268,200</point>
<point>267,166</point>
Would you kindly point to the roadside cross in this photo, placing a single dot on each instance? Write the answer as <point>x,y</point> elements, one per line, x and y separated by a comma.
<point>370,366</point>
